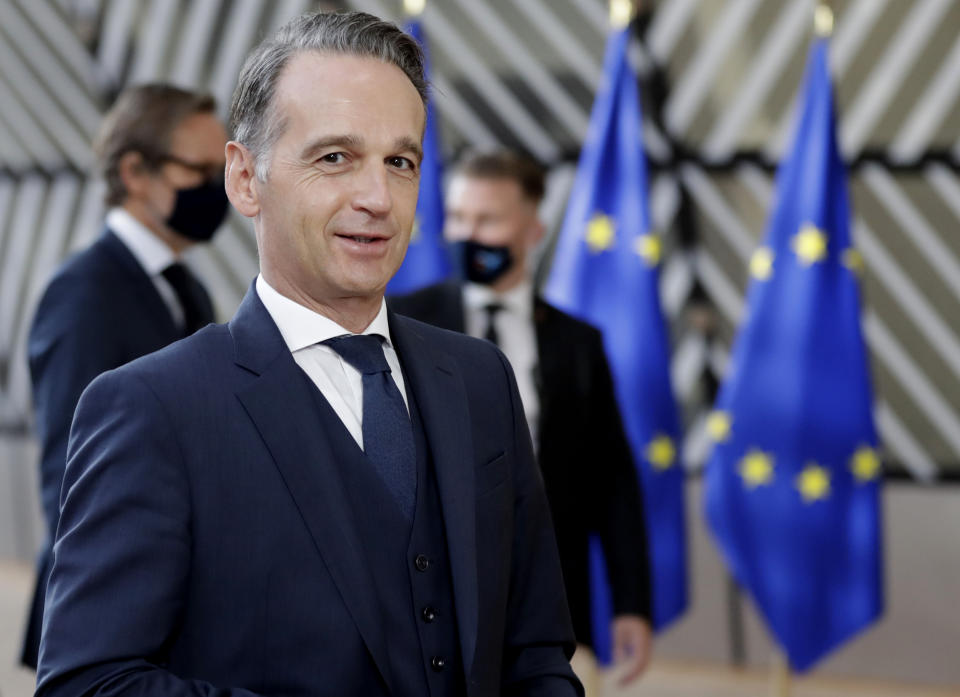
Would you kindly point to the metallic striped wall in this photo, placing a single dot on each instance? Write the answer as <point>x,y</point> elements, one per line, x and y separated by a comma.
<point>720,81</point>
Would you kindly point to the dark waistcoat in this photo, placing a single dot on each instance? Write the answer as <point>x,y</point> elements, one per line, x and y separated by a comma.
<point>409,566</point>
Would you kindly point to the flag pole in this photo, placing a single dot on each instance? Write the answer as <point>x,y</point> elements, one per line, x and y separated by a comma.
<point>780,675</point>
<point>414,8</point>
<point>780,678</point>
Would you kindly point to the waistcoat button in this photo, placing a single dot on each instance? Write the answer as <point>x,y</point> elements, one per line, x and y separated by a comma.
<point>421,562</point>
<point>437,663</point>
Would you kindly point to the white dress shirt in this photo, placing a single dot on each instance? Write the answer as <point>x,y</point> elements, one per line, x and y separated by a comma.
<point>340,383</point>
<point>516,334</point>
<point>152,255</point>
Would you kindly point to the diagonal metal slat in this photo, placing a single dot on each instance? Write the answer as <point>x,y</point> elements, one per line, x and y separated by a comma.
<point>918,128</point>
<point>695,84</point>
<point>62,39</point>
<point>199,24</point>
<point>669,22</point>
<point>239,35</point>
<point>890,71</point>
<point>27,211</point>
<point>538,79</point>
<point>76,103</point>
<point>57,126</point>
<point>926,240</point>
<point>567,44</point>
<point>782,40</point>
<point>115,39</point>
<point>152,41</point>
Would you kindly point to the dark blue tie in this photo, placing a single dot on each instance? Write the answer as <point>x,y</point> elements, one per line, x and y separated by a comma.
<point>387,431</point>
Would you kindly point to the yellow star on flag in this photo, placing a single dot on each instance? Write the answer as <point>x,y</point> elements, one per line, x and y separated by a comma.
<point>649,248</point>
<point>810,244</point>
<point>416,232</point>
<point>756,469</point>
<point>661,452</point>
<point>853,260</point>
<point>814,483</point>
<point>718,425</point>
<point>761,264</point>
<point>601,233</point>
<point>865,464</point>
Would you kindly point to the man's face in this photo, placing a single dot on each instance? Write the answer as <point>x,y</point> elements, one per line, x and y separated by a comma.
<point>338,203</point>
<point>492,212</point>
<point>195,155</point>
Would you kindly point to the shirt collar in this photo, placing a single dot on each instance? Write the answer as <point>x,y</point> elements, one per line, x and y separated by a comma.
<point>150,251</point>
<point>301,327</point>
<point>518,300</point>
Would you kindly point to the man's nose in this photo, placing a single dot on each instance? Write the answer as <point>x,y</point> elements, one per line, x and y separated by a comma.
<point>373,190</point>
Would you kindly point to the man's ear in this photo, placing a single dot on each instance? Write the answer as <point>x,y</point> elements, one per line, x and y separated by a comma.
<point>134,174</point>
<point>240,179</point>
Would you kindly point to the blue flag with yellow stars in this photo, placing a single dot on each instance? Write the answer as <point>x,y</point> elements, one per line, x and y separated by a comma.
<point>426,261</point>
<point>793,483</point>
<point>605,271</point>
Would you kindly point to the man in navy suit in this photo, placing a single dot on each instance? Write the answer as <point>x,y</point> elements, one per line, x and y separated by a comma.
<point>161,153</point>
<point>319,497</point>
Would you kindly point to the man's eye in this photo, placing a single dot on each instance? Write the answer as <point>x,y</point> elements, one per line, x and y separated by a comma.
<point>334,158</point>
<point>401,163</point>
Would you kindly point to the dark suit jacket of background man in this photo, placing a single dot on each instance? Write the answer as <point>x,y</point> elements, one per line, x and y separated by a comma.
<point>101,310</point>
<point>204,507</point>
<point>583,452</point>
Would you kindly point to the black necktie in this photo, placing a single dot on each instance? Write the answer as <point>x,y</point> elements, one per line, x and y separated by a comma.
<point>491,334</point>
<point>387,431</point>
<point>196,314</point>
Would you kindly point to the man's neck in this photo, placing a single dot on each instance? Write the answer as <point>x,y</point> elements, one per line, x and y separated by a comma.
<point>353,313</point>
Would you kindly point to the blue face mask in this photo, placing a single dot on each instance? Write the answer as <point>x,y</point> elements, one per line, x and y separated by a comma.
<point>482,263</point>
<point>199,211</point>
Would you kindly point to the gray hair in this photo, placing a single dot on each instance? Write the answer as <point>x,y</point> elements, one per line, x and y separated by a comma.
<point>254,120</point>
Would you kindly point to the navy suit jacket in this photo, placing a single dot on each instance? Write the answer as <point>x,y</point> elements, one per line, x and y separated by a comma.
<point>587,465</point>
<point>99,311</point>
<point>206,546</point>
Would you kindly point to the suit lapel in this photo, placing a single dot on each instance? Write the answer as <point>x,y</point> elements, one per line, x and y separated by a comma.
<point>436,385</point>
<point>282,407</point>
<point>154,308</point>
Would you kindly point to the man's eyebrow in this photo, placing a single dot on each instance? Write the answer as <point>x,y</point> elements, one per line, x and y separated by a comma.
<point>351,142</point>
<point>407,144</point>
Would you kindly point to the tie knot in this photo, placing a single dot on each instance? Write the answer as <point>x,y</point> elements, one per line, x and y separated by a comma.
<point>363,351</point>
<point>492,309</point>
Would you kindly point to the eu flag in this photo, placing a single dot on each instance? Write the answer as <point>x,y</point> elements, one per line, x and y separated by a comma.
<point>605,271</point>
<point>793,483</point>
<point>426,261</point>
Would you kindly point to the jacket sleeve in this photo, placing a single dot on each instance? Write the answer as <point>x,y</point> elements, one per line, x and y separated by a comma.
<point>122,551</point>
<point>538,637</point>
<point>70,344</point>
<point>620,503</point>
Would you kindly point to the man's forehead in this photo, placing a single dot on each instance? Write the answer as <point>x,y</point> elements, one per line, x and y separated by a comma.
<point>500,185</point>
<point>309,72</point>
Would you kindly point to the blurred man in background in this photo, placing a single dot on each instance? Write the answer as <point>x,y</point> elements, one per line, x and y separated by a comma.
<point>565,384</point>
<point>161,152</point>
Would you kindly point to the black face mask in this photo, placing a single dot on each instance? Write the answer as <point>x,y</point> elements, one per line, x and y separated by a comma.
<point>484,264</point>
<point>198,212</point>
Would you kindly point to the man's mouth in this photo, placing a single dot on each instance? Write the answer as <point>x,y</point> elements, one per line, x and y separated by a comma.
<point>363,239</point>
